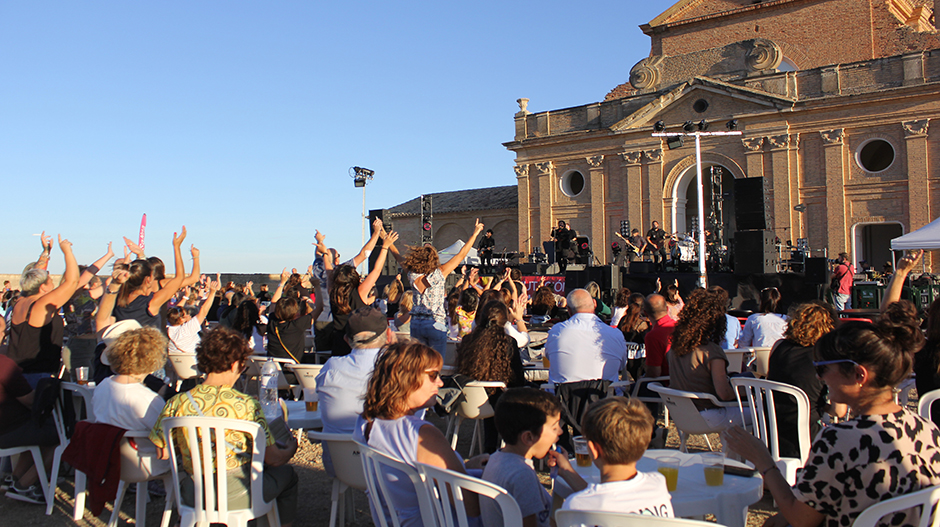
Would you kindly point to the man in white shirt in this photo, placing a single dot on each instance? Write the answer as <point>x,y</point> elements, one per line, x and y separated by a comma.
<point>341,384</point>
<point>584,348</point>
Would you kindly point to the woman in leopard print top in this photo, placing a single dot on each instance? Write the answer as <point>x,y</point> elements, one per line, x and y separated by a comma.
<point>885,451</point>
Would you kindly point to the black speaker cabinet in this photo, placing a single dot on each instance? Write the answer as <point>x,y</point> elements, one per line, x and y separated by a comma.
<point>749,204</point>
<point>817,271</point>
<point>642,267</point>
<point>754,252</point>
<point>575,279</point>
<point>533,269</point>
<point>606,276</point>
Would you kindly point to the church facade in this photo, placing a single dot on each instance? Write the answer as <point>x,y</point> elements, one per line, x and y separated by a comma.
<point>834,99</point>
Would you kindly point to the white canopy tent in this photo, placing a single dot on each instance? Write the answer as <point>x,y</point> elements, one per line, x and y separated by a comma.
<point>926,237</point>
<point>448,253</point>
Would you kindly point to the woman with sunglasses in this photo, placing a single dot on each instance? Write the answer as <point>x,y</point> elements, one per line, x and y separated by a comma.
<point>403,385</point>
<point>884,451</point>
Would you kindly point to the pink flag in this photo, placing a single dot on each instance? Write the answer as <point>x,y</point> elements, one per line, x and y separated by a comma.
<point>143,225</point>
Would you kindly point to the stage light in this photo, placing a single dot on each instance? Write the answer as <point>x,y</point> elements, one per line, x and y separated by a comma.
<point>659,126</point>
<point>732,125</point>
<point>427,226</point>
<point>674,141</point>
<point>702,125</point>
<point>688,126</point>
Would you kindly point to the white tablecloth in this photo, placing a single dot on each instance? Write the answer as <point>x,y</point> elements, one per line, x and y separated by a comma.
<point>692,496</point>
<point>298,418</point>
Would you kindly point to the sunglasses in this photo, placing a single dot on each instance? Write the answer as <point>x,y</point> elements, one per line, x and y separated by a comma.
<point>821,365</point>
<point>434,375</point>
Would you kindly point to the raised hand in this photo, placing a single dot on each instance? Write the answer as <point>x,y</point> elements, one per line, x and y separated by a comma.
<point>284,276</point>
<point>194,251</point>
<point>110,253</point>
<point>319,236</point>
<point>377,225</point>
<point>390,238</point>
<point>178,240</point>
<point>134,248</point>
<point>906,263</point>
<point>478,228</point>
<point>63,244</point>
<point>45,241</point>
<point>120,275</point>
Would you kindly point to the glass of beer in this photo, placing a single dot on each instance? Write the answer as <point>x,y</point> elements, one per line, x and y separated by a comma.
<point>311,398</point>
<point>714,463</point>
<point>669,467</point>
<point>582,455</point>
<point>545,361</point>
<point>81,375</point>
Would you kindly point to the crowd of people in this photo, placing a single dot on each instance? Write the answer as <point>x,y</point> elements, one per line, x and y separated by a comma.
<point>387,348</point>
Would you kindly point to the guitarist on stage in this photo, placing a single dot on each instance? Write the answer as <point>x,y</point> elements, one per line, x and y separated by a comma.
<point>656,244</point>
<point>636,243</point>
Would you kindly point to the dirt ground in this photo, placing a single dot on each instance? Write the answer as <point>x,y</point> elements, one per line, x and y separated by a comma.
<point>313,505</point>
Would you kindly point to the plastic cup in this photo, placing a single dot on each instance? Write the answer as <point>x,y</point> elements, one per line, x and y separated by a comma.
<point>669,467</point>
<point>81,375</point>
<point>311,398</point>
<point>582,455</point>
<point>714,463</point>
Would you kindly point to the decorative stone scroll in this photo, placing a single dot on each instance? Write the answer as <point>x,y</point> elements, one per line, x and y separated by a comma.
<point>752,144</point>
<point>631,158</point>
<point>595,161</point>
<point>779,141</point>
<point>831,137</point>
<point>655,155</point>
<point>915,128</point>
<point>544,168</point>
<point>645,74</point>
<point>521,170</point>
<point>764,55</point>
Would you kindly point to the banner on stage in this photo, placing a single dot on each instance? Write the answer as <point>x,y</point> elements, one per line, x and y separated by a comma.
<point>557,283</point>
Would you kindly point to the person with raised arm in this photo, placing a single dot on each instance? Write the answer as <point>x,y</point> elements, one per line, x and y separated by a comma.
<point>37,330</point>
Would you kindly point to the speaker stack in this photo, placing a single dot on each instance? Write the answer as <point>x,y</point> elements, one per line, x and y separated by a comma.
<point>754,249</point>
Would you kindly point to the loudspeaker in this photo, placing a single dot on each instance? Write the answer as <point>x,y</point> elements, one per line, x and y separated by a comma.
<point>749,204</point>
<point>549,248</point>
<point>817,271</point>
<point>391,265</point>
<point>754,252</point>
<point>582,250</point>
<point>606,276</point>
<point>576,279</point>
<point>533,269</point>
<point>642,268</point>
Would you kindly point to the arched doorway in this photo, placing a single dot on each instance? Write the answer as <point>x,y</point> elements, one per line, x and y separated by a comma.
<point>718,182</point>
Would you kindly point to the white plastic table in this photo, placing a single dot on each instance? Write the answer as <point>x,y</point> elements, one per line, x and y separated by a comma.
<point>298,418</point>
<point>692,496</point>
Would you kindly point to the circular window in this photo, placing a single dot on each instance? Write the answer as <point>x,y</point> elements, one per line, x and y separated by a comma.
<point>572,183</point>
<point>700,105</point>
<point>875,155</point>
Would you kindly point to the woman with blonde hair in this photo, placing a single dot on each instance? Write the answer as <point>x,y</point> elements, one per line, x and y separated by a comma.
<point>404,383</point>
<point>791,362</point>
<point>122,399</point>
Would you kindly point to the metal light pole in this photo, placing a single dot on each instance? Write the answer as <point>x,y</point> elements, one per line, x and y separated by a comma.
<point>361,176</point>
<point>702,279</point>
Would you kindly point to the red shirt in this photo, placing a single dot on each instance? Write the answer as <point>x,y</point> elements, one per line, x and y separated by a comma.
<point>845,274</point>
<point>658,341</point>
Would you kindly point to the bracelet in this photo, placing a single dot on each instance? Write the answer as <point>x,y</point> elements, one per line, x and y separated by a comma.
<point>764,472</point>
<point>93,269</point>
<point>110,292</point>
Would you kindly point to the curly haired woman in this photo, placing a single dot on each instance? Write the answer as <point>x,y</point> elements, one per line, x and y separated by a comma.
<point>696,361</point>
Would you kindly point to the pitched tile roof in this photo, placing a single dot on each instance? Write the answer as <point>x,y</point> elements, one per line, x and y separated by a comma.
<point>462,201</point>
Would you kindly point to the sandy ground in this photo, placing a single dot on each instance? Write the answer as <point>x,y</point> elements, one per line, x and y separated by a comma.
<point>314,502</point>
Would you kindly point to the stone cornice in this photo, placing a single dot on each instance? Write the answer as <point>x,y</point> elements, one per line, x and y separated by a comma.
<point>832,137</point>
<point>916,128</point>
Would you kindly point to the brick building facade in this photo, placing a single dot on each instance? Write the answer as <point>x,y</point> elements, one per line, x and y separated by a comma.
<point>834,98</point>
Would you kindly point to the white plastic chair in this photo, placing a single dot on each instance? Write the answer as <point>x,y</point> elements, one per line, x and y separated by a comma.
<point>738,359</point>
<point>48,485</point>
<point>685,415</point>
<point>140,464</point>
<point>927,499</point>
<point>376,466</point>
<point>761,360</point>
<point>184,364</point>
<point>257,362</point>
<point>347,465</point>
<point>306,373</point>
<point>612,390</point>
<point>759,394</point>
<point>925,401</point>
<point>474,405</point>
<point>447,488</point>
<point>86,394</point>
<point>570,518</point>
<point>210,494</point>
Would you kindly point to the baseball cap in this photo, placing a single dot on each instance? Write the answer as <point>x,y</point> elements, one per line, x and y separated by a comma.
<point>366,324</point>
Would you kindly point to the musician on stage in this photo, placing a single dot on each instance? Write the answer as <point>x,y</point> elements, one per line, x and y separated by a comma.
<point>487,242</point>
<point>562,237</point>
<point>635,244</point>
<point>656,245</point>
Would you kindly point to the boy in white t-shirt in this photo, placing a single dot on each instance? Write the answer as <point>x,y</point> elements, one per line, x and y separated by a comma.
<point>618,431</point>
<point>183,329</point>
<point>527,419</point>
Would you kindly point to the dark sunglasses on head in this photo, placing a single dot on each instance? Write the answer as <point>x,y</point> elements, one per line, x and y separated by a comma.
<point>821,365</point>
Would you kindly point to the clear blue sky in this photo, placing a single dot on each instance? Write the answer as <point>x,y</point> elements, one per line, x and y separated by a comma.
<point>241,119</point>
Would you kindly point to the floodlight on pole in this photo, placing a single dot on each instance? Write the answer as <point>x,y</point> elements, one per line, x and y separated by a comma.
<point>360,177</point>
<point>688,127</point>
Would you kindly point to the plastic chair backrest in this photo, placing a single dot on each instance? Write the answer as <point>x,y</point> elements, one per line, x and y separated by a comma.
<point>139,459</point>
<point>447,488</point>
<point>258,362</point>
<point>87,396</point>
<point>212,507</point>
<point>376,466</point>
<point>184,364</point>
<point>346,458</point>
<point>929,515</point>
<point>761,360</point>
<point>306,373</point>
<point>572,518</point>
<point>736,359</point>
<point>475,403</point>
<point>925,401</point>
<point>682,410</point>
<point>760,404</point>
